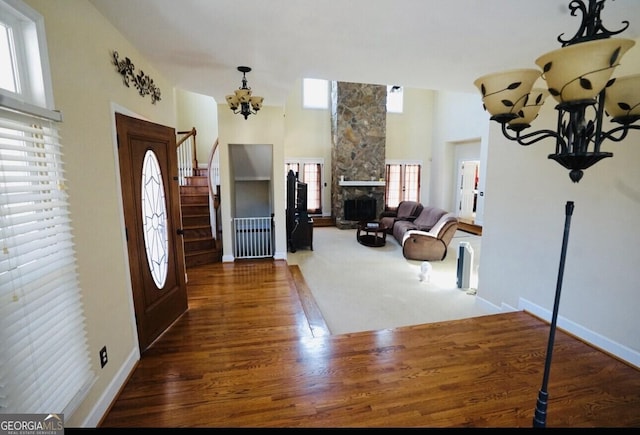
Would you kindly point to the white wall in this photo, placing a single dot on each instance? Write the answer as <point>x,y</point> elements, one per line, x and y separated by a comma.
<point>410,135</point>
<point>308,135</point>
<point>458,118</point>
<point>266,128</point>
<point>199,111</point>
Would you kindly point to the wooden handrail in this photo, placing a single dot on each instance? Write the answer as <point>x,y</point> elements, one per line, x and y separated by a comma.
<point>187,159</point>
<point>188,133</point>
<point>212,188</point>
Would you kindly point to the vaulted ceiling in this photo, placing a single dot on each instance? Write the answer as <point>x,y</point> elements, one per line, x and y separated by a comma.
<point>428,44</point>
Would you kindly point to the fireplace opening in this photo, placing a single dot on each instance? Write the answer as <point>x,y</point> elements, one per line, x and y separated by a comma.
<point>360,209</point>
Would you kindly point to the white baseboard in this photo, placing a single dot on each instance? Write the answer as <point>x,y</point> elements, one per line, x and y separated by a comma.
<point>504,308</point>
<point>494,309</point>
<point>624,353</point>
<point>111,392</point>
<point>276,256</point>
<point>280,255</point>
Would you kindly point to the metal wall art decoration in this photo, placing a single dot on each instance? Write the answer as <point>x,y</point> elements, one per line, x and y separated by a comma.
<point>143,83</point>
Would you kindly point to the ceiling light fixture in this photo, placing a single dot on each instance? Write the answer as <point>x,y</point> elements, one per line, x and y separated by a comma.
<point>578,77</point>
<point>242,102</point>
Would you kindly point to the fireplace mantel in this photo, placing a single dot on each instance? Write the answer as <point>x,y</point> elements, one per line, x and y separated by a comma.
<point>361,183</point>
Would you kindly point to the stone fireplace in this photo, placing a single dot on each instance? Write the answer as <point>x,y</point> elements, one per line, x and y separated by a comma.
<point>358,133</point>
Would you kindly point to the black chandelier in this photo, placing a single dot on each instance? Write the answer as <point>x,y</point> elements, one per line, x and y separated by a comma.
<point>578,77</point>
<point>242,102</point>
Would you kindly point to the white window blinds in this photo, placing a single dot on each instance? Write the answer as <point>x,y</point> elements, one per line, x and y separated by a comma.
<point>44,359</point>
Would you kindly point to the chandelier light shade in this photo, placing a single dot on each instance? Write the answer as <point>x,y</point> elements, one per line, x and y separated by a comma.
<point>242,101</point>
<point>622,102</point>
<point>580,76</point>
<point>579,72</point>
<point>505,93</point>
<point>534,101</point>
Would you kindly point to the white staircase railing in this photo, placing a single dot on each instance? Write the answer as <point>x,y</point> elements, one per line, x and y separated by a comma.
<point>187,159</point>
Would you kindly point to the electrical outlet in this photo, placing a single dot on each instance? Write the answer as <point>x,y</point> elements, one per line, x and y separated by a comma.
<point>103,357</point>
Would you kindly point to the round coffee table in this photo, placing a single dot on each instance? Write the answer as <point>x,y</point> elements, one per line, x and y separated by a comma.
<point>372,233</point>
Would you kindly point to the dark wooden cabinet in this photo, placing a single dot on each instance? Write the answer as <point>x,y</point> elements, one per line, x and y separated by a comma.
<point>299,223</point>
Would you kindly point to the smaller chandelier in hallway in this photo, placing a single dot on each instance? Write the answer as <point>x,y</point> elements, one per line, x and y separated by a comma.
<point>242,102</point>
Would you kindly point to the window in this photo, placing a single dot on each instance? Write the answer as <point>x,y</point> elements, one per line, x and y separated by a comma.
<point>8,79</point>
<point>44,364</point>
<point>310,172</point>
<point>23,55</point>
<point>315,94</point>
<point>402,183</point>
<point>395,99</point>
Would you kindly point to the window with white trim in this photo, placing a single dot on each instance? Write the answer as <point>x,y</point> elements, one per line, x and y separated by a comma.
<point>402,183</point>
<point>395,99</point>
<point>309,171</point>
<point>44,362</point>
<point>315,94</point>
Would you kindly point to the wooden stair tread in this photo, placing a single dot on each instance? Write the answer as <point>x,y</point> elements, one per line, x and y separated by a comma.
<point>201,251</point>
<point>196,238</point>
<point>195,227</point>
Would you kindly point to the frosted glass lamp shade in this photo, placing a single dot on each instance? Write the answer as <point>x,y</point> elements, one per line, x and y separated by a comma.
<point>504,93</point>
<point>622,99</point>
<point>243,95</point>
<point>529,111</point>
<point>256,103</point>
<point>580,71</point>
<point>232,101</point>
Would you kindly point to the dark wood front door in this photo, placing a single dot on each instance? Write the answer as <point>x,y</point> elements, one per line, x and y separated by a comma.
<point>150,195</point>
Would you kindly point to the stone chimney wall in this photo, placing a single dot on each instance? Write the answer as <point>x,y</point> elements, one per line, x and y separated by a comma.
<point>358,132</point>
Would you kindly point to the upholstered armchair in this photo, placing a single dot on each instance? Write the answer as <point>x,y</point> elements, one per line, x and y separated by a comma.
<point>430,245</point>
<point>406,211</point>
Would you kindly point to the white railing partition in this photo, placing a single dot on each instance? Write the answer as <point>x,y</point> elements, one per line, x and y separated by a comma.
<point>253,237</point>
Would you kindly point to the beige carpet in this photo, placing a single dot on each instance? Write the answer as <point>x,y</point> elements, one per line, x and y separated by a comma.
<point>358,288</point>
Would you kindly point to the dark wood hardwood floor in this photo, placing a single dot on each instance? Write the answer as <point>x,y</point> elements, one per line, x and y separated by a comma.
<point>246,355</point>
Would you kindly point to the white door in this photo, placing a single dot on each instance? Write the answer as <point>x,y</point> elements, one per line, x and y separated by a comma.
<point>468,188</point>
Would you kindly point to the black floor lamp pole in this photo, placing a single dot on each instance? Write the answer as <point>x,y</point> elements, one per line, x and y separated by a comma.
<point>540,417</point>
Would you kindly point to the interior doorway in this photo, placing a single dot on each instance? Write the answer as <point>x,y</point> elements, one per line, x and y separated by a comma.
<point>467,189</point>
<point>252,210</point>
